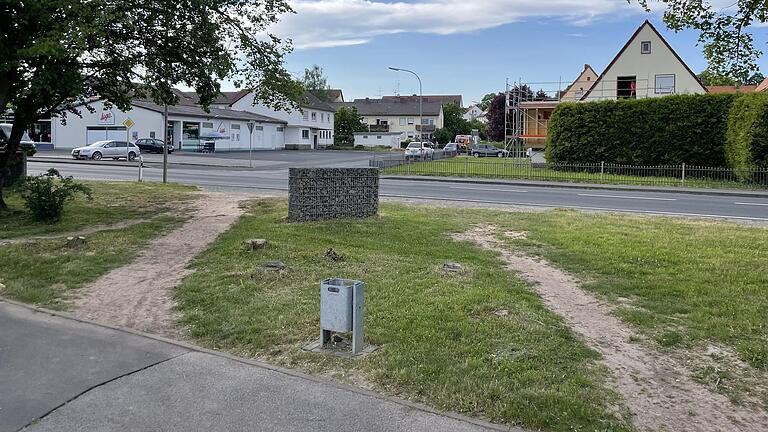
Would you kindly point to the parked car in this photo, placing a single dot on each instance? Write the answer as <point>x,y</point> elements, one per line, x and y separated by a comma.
<point>419,150</point>
<point>26,144</point>
<point>488,150</point>
<point>451,148</point>
<point>152,145</point>
<point>107,149</point>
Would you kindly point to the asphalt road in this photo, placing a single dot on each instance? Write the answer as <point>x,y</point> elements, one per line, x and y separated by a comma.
<point>272,175</point>
<point>57,374</point>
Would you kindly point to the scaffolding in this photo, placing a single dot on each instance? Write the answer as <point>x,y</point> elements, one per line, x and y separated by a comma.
<point>529,104</point>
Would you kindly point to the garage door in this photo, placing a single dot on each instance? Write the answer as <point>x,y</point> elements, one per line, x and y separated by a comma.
<point>101,133</point>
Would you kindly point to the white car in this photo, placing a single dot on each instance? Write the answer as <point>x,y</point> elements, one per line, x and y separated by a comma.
<point>107,149</point>
<point>419,150</point>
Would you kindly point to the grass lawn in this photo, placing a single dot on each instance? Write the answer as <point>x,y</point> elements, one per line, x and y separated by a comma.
<point>47,272</point>
<point>112,202</point>
<point>440,340</point>
<point>683,285</point>
<point>508,168</point>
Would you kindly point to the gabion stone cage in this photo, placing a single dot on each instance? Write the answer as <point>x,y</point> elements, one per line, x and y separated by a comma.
<point>332,193</point>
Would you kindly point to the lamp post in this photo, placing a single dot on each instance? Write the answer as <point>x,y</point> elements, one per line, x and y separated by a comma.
<point>421,98</point>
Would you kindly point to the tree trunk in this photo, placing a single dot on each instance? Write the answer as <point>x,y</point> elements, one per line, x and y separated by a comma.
<point>9,156</point>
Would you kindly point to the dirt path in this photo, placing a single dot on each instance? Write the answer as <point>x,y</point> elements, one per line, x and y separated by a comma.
<point>140,294</point>
<point>83,232</point>
<point>657,390</point>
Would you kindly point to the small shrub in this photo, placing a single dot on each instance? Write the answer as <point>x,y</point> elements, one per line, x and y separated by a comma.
<point>359,147</point>
<point>45,194</point>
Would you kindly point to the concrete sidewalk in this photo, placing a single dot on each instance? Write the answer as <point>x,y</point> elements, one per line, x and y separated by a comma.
<point>60,374</point>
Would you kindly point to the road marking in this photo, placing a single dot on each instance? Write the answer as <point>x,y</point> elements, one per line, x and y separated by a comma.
<point>628,197</point>
<point>751,204</point>
<point>488,189</point>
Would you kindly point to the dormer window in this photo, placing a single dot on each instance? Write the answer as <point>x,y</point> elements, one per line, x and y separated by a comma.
<point>645,47</point>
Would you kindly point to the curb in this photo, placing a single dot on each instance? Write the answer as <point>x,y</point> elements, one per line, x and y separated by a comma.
<point>267,366</point>
<point>124,164</point>
<point>716,192</point>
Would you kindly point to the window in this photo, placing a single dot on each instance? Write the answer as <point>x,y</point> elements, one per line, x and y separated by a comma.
<point>208,125</point>
<point>365,136</point>
<point>305,134</point>
<point>151,134</point>
<point>280,129</point>
<point>427,121</point>
<point>626,87</point>
<point>402,121</point>
<point>235,126</point>
<point>314,116</point>
<point>410,120</point>
<point>645,47</point>
<point>665,84</point>
<point>378,136</point>
<point>579,93</point>
<point>260,128</point>
<point>305,115</point>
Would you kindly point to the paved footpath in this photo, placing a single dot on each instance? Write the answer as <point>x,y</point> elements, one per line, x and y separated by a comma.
<point>58,374</point>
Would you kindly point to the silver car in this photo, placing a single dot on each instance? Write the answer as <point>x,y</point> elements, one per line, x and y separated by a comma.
<point>107,149</point>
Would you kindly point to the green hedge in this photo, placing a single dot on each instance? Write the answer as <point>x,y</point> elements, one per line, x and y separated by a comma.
<point>670,130</point>
<point>747,143</point>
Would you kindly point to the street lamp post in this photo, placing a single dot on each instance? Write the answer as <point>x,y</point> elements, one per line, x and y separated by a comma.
<point>421,98</point>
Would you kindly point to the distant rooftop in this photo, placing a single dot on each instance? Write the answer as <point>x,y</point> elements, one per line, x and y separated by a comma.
<point>443,99</point>
<point>732,89</point>
<point>392,107</point>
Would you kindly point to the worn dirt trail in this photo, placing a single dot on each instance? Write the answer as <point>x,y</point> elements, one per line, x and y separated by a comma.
<point>140,294</point>
<point>657,390</point>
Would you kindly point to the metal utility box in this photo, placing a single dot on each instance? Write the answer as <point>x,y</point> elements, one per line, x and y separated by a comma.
<point>341,310</point>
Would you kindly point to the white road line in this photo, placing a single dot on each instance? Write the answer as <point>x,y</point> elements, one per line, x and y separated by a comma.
<point>628,197</point>
<point>751,204</point>
<point>487,189</point>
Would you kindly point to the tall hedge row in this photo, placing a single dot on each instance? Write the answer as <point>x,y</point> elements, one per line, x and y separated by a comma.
<point>670,130</point>
<point>747,143</point>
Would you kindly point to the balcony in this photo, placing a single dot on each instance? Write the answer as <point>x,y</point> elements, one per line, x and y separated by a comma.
<point>425,128</point>
<point>378,128</point>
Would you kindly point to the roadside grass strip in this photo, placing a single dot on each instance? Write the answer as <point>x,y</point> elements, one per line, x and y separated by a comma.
<point>48,272</point>
<point>477,341</point>
<point>515,169</point>
<point>112,202</point>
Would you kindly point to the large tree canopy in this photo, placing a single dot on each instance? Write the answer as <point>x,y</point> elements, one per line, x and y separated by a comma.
<point>316,82</point>
<point>346,122</point>
<point>55,53</point>
<point>725,32</point>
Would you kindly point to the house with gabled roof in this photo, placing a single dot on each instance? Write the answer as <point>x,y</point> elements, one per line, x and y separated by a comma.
<point>647,66</point>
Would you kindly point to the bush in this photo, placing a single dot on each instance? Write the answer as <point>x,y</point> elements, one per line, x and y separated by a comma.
<point>747,140</point>
<point>670,130</point>
<point>45,194</point>
<point>359,147</point>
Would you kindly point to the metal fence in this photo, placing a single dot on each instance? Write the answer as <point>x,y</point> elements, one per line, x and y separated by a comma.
<point>447,165</point>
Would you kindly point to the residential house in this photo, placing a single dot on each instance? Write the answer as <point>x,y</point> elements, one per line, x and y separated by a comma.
<point>583,83</point>
<point>335,95</point>
<point>720,89</point>
<point>442,99</point>
<point>400,116</point>
<point>475,113</point>
<point>645,67</point>
<point>763,86</point>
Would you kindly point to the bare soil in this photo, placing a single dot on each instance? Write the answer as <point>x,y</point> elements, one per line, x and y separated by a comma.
<point>657,389</point>
<point>140,294</point>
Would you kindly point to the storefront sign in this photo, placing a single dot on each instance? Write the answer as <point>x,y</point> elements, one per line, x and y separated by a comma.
<point>107,118</point>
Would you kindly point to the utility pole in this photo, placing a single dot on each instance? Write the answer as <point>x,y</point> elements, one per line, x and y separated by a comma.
<point>421,98</point>
<point>165,143</point>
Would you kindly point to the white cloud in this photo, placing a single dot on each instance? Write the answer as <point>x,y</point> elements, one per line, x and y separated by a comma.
<point>328,23</point>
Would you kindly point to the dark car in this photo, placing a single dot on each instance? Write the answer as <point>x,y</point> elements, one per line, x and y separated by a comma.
<point>152,145</point>
<point>487,150</point>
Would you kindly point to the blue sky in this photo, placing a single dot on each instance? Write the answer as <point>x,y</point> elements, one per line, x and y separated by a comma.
<point>466,47</point>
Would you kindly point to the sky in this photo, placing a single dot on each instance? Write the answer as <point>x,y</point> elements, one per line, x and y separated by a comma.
<point>468,47</point>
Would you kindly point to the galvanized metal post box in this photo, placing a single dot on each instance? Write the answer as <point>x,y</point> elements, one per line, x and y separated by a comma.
<point>341,310</point>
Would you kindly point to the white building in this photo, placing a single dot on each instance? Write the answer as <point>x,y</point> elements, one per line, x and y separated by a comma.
<point>379,139</point>
<point>475,113</point>
<point>646,67</point>
<point>188,122</point>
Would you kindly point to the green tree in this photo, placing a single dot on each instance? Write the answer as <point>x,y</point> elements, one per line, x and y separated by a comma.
<point>711,79</point>
<point>725,33</point>
<point>453,120</point>
<point>485,102</point>
<point>443,136</point>
<point>316,82</point>
<point>57,53</point>
<point>346,122</point>
<point>755,79</point>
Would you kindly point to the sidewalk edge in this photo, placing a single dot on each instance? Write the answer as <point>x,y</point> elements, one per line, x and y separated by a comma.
<point>267,366</point>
